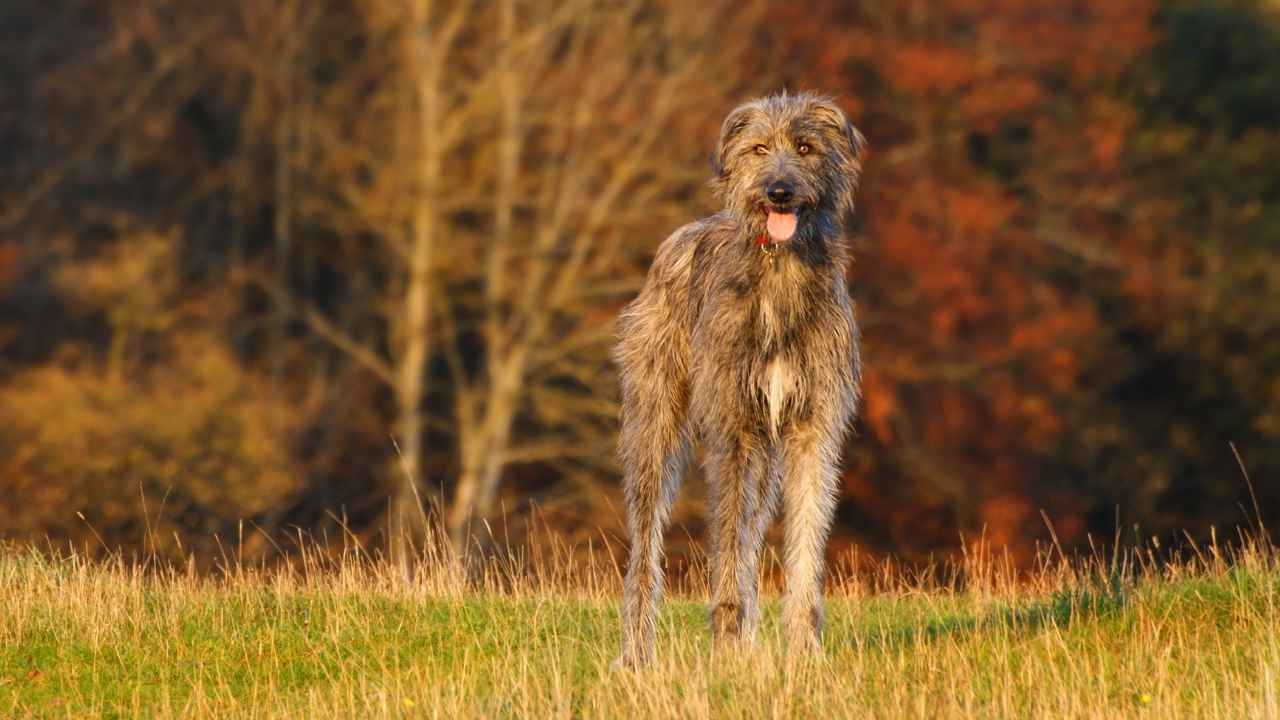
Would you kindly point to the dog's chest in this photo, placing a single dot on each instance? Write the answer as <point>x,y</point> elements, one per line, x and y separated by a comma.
<point>761,331</point>
<point>779,369</point>
<point>777,387</point>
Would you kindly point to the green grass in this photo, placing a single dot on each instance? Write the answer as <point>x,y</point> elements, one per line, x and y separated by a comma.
<point>81,638</point>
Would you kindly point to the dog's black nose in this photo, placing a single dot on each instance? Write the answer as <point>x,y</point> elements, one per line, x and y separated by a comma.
<point>780,192</point>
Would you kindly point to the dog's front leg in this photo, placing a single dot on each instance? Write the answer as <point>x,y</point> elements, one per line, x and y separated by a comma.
<point>808,496</point>
<point>735,475</point>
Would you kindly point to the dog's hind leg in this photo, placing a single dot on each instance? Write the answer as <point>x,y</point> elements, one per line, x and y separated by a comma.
<point>654,446</point>
<point>741,502</point>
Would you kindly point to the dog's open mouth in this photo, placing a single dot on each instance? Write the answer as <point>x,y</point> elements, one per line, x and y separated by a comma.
<point>781,222</point>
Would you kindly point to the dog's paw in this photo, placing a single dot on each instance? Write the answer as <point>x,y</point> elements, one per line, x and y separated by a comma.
<point>626,663</point>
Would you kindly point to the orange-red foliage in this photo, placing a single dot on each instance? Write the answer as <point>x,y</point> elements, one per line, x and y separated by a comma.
<point>995,131</point>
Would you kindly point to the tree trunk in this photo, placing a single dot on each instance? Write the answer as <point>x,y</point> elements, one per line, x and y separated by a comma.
<point>484,447</point>
<point>483,444</point>
<point>407,513</point>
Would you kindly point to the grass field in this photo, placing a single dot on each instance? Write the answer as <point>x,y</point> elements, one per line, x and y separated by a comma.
<point>353,638</point>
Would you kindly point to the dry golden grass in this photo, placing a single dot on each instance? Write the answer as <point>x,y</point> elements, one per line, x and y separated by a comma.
<point>353,637</point>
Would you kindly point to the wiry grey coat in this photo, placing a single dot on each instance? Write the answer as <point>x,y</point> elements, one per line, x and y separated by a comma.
<point>748,345</point>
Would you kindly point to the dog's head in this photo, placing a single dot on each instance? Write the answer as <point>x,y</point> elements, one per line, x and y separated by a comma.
<point>787,162</point>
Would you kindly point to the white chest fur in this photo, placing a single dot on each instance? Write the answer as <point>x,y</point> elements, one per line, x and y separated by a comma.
<point>778,383</point>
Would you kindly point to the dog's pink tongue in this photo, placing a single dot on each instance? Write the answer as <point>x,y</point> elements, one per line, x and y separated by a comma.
<point>781,225</point>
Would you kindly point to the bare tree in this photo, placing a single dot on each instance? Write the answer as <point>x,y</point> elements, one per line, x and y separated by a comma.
<point>582,184</point>
<point>511,177</point>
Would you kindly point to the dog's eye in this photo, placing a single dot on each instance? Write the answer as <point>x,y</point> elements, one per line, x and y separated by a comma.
<point>761,150</point>
<point>803,148</point>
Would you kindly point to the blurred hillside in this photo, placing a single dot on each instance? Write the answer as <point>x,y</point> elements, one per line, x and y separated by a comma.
<point>260,262</point>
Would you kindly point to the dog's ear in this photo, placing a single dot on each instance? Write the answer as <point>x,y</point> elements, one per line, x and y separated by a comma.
<point>856,140</point>
<point>850,141</point>
<point>734,124</point>
<point>850,145</point>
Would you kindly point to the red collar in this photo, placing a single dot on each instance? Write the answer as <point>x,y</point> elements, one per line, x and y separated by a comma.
<point>767,246</point>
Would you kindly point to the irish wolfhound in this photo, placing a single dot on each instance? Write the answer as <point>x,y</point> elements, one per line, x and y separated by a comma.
<point>743,337</point>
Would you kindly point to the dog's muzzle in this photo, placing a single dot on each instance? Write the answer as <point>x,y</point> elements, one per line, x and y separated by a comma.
<point>780,215</point>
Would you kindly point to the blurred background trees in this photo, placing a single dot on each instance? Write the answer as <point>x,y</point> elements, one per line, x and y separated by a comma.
<point>315,266</point>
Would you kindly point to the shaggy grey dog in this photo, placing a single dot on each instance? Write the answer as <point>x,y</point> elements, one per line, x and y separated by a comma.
<point>743,338</point>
